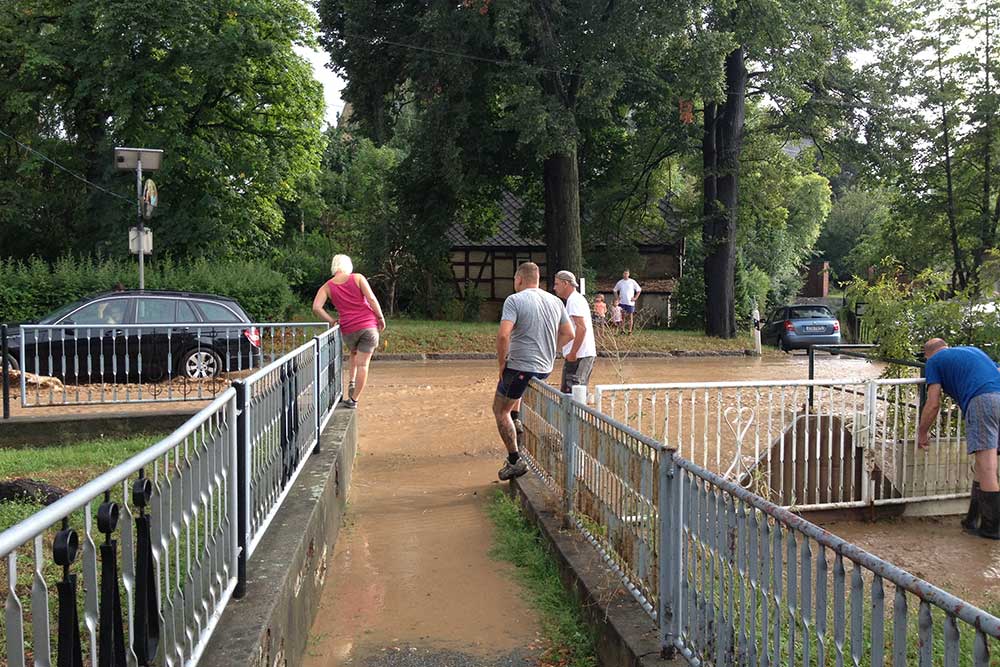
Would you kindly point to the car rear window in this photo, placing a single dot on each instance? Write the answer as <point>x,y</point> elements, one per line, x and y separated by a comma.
<point>215,312</point>
<point>810,313</point>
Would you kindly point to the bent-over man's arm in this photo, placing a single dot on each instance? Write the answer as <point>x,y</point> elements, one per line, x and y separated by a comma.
<point>931,408</point>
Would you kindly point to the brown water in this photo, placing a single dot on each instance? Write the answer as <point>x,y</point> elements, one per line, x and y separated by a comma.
<point>412,569</point>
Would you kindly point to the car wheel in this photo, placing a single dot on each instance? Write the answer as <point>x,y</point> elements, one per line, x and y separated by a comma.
<point>782,345</point>
<point>200,364</point>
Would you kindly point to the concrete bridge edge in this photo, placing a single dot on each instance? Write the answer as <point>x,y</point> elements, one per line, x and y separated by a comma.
<point>626,635</point>
<point>270,626</point>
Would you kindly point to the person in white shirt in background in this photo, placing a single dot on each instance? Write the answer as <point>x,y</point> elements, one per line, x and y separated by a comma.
<point>628,292</point>
<point>579,353</point>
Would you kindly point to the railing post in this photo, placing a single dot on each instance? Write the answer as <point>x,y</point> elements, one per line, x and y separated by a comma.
<point>317,346</point>
<point>669,557</point>
<point>242,488</point>
<point>571,429</point>
<point>868,446</point>
<point>5,361</point>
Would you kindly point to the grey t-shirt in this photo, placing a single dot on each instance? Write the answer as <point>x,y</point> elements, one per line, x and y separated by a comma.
<point>536,315</point>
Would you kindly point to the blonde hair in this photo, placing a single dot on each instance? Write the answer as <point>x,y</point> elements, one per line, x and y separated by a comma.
<point>599,297</point>
<point>341,263</point>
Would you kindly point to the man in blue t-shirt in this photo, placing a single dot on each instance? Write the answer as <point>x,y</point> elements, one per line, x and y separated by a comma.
<point>973,380</point>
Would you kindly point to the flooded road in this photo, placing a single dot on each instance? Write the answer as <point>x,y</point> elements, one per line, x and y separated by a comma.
<point>412,574</point>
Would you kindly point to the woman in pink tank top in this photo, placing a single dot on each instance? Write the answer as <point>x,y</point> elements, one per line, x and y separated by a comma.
<point>361,319</point>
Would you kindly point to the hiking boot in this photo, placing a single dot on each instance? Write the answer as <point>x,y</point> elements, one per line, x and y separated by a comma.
<point>989,508</point>
<point>971,521</point>
<point>512,470</point>
<point>349,403</point>
<point>519,433</point>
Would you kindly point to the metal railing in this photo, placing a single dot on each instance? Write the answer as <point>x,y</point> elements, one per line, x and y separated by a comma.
<point>808,444</point>
<point>748,582</point>
<point>140,363</point>
<point>730,577</point>
<point>163,540</point>
<point>154,540</point>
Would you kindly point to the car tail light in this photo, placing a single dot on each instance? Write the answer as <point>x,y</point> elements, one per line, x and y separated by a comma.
<point>789,326</point>
<point>836,325</point>
<point>253,335</point>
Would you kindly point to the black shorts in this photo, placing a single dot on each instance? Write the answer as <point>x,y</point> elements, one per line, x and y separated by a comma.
<point>513,383</point>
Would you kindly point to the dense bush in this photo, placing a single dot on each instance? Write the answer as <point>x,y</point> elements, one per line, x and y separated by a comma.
<point>31,289</point>
<point>902,314</point>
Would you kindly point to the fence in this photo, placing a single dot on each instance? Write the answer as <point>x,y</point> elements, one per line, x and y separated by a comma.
<point>811,444</point>
<point>162,541</point>
<point>731,578</point>
<point>133,363</point>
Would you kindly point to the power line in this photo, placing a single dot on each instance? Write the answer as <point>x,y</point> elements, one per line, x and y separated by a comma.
<point>67,170</point>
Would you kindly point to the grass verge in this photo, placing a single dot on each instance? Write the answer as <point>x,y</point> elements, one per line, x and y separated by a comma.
<point>67,467</point>
<point>571,643</point>
<point>405,336</point>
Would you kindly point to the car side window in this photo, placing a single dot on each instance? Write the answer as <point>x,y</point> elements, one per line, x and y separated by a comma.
<point>100,313</point>
<point>775,315</point>
<point>214,312</point>
<point>185,313</point>
<point>156,311</point>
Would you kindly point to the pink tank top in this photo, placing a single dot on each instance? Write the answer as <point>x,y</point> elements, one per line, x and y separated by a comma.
<point>355,313</point>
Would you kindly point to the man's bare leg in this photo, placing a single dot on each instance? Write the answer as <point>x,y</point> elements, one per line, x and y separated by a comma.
<point>989,494</point>
<point>502,407</point>
<point>986,470</point>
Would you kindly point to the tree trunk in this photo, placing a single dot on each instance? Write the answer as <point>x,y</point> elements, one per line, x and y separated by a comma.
<point>959,273</point>
<point>722,143</point>
<point>987,232</point>
<point>563,245</point>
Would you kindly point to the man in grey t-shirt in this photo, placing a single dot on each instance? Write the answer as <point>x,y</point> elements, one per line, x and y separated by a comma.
<point>534,324</point>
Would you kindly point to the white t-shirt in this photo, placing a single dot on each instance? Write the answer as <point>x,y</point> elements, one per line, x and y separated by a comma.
<point>577,306</point>
<point>627,289</point>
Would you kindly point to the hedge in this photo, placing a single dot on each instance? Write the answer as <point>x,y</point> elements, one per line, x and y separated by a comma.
<point>30,289</point>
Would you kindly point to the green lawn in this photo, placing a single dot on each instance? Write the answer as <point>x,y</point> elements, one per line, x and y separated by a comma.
<point>67,467</point>
<point>405,336</point>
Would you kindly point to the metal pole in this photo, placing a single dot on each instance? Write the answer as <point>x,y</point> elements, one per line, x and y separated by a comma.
<point>812,372</point>
<point>669,508</point>
<point>242,488</point>
<point>142,231</point>
<point>570,434</point>
<point>5,360</point>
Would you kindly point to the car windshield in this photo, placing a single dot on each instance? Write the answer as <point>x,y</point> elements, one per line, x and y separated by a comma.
<point>809,313</point>
<point>55,315</point>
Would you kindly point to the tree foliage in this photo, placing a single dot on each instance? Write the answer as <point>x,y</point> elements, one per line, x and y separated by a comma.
<point>217,85</point>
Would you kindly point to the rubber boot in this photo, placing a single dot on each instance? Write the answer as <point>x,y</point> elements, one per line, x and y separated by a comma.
<point>971,521</point>
<point>989,507</point>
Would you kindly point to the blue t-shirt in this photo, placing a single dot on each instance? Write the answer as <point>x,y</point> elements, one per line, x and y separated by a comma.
<point>963,373</point>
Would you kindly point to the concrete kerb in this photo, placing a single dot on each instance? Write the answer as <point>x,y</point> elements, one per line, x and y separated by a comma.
<point>271,624</point>
<point>626,636</point>
<point>43,430</point>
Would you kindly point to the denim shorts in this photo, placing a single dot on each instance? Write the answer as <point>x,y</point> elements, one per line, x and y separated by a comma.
<point>982,423</point>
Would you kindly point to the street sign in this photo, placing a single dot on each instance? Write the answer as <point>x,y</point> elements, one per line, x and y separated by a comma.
<point>150,198</point>
<point>133,240</point>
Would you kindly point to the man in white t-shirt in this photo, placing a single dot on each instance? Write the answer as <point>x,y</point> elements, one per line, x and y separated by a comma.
<point>579,353</point>
<point>628,292</point>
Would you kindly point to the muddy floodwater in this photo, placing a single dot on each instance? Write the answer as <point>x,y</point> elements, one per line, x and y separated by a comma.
<point>412,574</point>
